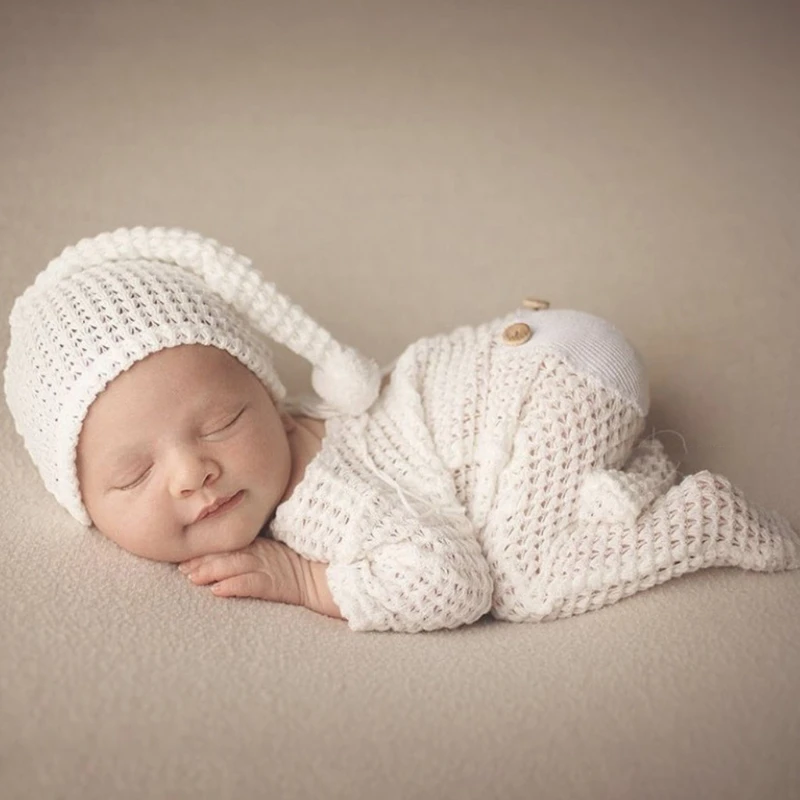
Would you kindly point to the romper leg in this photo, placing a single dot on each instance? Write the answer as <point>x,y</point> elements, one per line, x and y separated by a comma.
<point>704,521</point>
<point>620,495</point>
<point>570,426</point>
<point>553,547</point>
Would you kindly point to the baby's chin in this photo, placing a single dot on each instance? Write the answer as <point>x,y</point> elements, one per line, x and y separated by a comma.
<point>187,546</point>
<point>238,542</point>
<point>214,542</point>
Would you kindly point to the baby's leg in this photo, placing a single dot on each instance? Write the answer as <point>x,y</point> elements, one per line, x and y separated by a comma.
<point>704,521</point>
<point>612,495</point>
<point>569,427</point>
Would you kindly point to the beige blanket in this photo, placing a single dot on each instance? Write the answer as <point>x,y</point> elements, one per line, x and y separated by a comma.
<point>399,169</point>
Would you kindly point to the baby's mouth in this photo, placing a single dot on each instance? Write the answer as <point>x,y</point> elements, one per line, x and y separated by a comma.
<point>219,507</point>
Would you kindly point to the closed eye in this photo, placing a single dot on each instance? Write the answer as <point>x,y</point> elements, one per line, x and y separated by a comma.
<point>134,483</point>
<point>227,424</point>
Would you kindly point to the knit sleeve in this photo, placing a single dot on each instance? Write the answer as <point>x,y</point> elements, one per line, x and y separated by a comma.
<point>409,572</point>
<point>396,562</point>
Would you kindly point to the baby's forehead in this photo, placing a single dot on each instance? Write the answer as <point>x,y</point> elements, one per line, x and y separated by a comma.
<point>170,389</point>
<point>189,354</point>
<point>195,362</point>
<point>198,377</point>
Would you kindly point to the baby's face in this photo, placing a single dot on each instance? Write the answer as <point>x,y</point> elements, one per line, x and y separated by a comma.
<point>179,431</point>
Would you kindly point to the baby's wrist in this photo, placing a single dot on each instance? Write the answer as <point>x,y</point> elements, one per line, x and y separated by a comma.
<point>317,593</point>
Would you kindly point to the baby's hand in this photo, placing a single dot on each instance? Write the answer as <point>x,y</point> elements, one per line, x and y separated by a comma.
<point>265,569</point>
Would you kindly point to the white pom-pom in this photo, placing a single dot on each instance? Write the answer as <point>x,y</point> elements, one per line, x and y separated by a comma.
<point>347,381</point>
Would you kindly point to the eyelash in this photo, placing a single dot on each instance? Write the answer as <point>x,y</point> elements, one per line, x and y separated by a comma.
<point>227,425</point>
<point>135,483</point>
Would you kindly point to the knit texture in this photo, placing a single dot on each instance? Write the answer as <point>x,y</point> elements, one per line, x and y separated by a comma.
<point>514,480</point>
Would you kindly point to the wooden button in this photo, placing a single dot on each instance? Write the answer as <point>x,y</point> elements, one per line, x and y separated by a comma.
<point>535,304</point>
<point>518,333</point>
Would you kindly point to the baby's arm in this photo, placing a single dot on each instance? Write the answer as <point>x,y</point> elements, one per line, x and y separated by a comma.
<point>420,577</point>
<point>392,567</point>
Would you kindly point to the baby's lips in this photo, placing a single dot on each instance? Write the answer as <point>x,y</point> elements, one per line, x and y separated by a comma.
<point>217,504</point>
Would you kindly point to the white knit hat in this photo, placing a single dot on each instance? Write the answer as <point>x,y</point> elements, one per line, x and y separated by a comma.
<point>108,302</point>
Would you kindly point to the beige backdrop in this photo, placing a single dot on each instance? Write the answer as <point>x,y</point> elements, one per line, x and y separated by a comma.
<point>400,168</point>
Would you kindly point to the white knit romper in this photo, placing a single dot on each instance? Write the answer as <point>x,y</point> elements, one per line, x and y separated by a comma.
<point>508,475</point>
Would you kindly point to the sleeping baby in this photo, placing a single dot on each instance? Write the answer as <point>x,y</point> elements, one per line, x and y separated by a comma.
<point>495,469</point>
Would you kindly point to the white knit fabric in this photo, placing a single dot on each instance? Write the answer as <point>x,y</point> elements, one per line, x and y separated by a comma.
<point>514,480</point>
<point>110,301</point>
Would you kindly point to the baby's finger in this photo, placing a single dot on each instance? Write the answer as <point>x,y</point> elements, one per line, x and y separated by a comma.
<point>223,566</point>
<point>250,584</point>
<point>193,563</point>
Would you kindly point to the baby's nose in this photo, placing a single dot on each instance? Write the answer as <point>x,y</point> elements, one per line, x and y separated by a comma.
<point>192,472</point>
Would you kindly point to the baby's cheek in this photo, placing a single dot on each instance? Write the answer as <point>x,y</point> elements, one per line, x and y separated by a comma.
<point>145,527</point>
<point>253,458</point>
